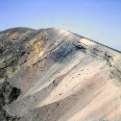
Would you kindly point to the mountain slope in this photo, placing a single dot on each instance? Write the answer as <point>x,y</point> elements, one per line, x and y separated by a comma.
<point>56,75</point>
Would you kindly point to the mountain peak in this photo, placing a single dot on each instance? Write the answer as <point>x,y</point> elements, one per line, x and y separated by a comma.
<point>56,75</point>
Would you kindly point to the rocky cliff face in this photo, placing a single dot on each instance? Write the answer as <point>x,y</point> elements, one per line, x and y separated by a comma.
<point>55,75</point>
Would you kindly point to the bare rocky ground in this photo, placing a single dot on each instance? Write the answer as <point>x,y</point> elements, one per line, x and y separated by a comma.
<point>55,75</point>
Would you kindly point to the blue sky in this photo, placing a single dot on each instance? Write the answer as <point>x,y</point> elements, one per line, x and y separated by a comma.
<point>97,19</point>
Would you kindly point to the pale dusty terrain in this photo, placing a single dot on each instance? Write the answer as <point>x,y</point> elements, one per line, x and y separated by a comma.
<point>56,75</point>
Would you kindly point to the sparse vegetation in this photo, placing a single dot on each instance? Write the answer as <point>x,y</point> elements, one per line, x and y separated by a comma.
<point>7,95</point>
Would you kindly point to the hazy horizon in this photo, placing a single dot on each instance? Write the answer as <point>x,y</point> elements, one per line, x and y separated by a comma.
<point>98,20</point>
